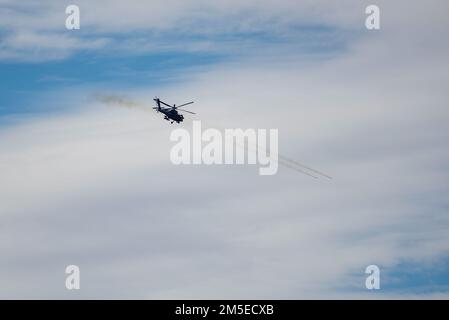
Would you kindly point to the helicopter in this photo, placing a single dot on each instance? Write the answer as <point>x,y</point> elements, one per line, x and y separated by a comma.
<point>171,112</point>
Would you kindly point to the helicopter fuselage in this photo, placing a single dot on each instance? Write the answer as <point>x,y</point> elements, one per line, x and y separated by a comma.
<point>172,114</point>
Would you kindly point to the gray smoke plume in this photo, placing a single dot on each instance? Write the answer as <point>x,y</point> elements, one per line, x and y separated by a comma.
<point>121,102</point>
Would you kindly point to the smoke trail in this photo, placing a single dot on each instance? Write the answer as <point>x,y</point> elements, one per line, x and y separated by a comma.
<point>121,101</point>
<point>303,166</point>
<point>282,160</point>
<point>247,147</point>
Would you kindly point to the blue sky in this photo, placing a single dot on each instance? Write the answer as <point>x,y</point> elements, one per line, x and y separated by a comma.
<point>22,82</point>
<point>419,278</point>
<point>115,65</point>
<point>88,184</point>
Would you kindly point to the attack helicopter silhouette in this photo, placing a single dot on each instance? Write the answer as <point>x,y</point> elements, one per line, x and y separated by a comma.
<point>171,113</point>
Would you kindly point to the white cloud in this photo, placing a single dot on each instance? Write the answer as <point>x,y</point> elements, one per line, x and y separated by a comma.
<point>96,188</point>
<point>33,46</point>
<point>41,25</point>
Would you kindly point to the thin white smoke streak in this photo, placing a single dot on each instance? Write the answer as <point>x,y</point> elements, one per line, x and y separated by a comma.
<point>285,164</point>
<point>282,160</point>
<point>304,166</point>
<point>292,164</point>
<point>279,160</point>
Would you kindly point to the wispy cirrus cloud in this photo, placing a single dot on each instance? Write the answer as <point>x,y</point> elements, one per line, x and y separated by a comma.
<point>93,185</point>
<point>33,46</point>
<point>36,31</point>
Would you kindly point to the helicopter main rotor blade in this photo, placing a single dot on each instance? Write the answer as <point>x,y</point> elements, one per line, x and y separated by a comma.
<point>165,104</point>
<point>186,111</point>
<point>182,105</point>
